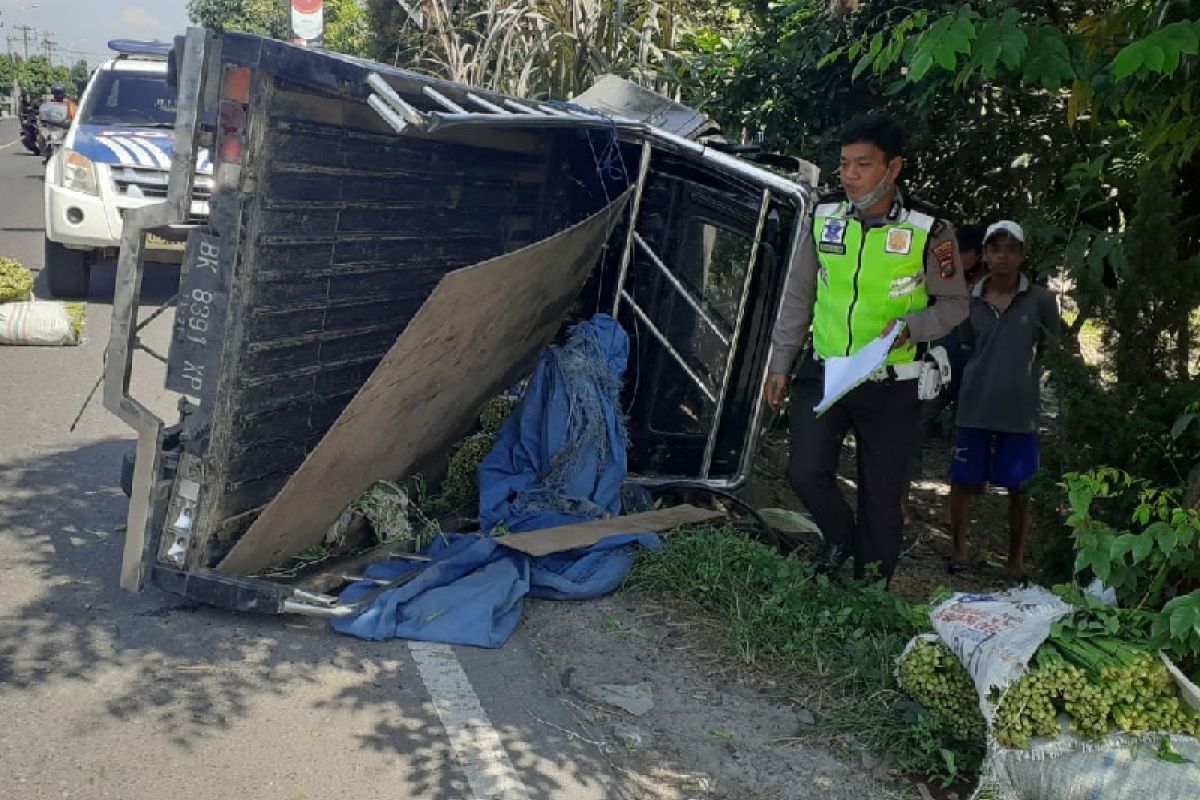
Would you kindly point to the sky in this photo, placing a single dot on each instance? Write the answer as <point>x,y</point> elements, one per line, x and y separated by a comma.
<point>83,28</point>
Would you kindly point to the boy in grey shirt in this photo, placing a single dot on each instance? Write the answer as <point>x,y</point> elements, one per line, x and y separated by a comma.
<point>1011,322</point>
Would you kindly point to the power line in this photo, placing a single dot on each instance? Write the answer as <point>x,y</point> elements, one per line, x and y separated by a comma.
<point>48,45</point>
<point>84,53</point>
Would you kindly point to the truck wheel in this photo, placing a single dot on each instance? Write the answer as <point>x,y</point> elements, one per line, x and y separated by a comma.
<point>68,272</point>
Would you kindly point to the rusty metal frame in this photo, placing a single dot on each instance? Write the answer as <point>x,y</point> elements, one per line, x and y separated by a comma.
<point>126,299</point>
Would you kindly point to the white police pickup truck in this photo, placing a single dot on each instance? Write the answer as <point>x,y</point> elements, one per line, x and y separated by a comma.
<point>115,157</point>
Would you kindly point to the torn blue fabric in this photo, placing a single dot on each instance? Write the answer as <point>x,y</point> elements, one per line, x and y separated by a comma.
<point>591,572</point>
<point>472,591</point>
<point>469,594</point>
<point>559,459</point>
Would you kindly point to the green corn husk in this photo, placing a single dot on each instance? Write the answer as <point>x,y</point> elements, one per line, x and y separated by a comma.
<point>936,679</point>
<point>16,281</point>
<point>78,314</point>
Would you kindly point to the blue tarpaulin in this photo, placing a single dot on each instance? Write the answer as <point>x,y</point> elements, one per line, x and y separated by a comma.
<point>471,593</point>
<point>559,459</point>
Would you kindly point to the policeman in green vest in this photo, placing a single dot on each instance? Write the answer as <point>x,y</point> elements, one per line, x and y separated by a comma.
<point>875,259</point>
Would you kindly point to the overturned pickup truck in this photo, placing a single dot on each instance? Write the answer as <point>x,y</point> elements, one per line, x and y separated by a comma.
<point>385,252</point>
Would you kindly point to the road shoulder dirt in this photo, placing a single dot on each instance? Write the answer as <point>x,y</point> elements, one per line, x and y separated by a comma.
<point>714,731</point>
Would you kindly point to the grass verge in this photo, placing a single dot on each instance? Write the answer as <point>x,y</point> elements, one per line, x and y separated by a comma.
<point>831,645</point>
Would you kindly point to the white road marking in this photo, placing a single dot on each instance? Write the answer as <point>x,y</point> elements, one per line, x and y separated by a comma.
<point>10,144</point>
<point>475,742</point>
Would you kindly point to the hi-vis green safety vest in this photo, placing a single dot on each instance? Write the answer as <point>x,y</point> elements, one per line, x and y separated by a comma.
<point>866,280</point>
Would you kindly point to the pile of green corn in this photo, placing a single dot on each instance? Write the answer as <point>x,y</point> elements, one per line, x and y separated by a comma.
<point>16,282</point>
<point>1103,684</point>
<point>78,314</point>
<point>1100,684</point>
<point>461,487</point>
<point>936,679</point>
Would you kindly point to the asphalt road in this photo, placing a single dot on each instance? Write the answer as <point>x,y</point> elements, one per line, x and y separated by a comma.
<point>107,694</point>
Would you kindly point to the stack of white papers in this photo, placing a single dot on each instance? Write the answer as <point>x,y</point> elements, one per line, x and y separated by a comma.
<point>843,374</point>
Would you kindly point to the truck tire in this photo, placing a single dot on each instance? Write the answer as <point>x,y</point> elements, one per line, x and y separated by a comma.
<point>68,272</point>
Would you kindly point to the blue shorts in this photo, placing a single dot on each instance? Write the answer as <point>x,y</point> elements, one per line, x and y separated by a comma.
<point>1002,459</point>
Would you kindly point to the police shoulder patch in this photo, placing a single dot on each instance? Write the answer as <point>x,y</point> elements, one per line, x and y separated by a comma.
<point>944,255</point>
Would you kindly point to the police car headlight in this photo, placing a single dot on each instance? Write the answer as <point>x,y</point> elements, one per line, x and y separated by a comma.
<point>79,173</point>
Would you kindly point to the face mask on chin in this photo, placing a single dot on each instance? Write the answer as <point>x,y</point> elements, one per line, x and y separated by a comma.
<point>872,197</point>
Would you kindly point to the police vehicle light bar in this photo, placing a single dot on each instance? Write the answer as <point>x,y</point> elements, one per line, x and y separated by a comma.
<point>133,47</point>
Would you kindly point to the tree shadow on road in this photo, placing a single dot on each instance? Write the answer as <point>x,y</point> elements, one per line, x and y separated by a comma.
<point>188,673</point>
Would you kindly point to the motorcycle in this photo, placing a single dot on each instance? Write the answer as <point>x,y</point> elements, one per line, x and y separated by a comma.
<point>29,129</point>
<point>53,121</point>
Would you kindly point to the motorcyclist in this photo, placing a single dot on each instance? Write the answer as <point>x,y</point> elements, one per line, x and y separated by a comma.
<point>30,104</point>
<point>51,132</point>
<point>59,92</point>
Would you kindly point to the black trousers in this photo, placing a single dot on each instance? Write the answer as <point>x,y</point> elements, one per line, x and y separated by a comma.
<point>885,417</point>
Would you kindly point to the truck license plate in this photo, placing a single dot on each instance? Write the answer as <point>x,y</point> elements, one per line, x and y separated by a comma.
<point>194,362</point>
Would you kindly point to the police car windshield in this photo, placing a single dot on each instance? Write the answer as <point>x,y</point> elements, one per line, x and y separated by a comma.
<point>129,99</point>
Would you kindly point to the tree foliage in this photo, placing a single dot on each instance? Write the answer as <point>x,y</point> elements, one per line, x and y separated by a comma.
<point>347,27</point>
<point>533,48</point>
<point>347,22</point>
<point>262,17</point>
<point>1079,120</point>
<point>35,75</point>
<point>538,48</point>
<point>79,76</point>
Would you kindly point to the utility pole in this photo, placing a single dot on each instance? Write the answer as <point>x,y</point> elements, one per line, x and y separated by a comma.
<point>50,46</point>
<point>24,29</point>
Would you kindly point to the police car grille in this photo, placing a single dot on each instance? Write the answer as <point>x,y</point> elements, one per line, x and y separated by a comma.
<point>152,183</point>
